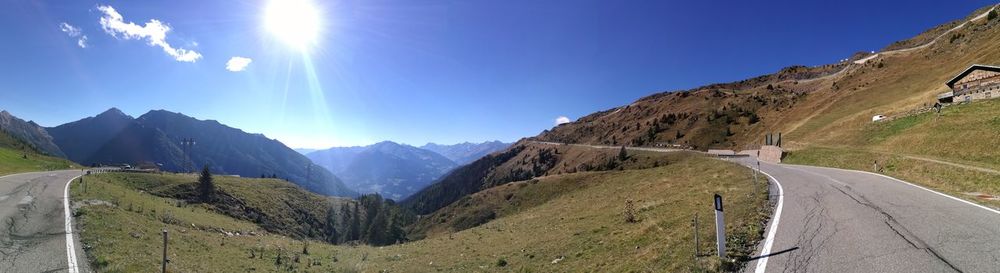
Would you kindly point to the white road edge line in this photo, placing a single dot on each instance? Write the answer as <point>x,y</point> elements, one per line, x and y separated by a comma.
<point>769,241</point>
<point>70,248</point>
<point>939,193</point>
<point>911,184</point>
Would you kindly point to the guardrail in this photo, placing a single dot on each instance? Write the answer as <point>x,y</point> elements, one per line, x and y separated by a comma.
<point>117,170</point>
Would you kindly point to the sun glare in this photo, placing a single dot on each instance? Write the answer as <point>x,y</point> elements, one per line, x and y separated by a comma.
<point>294,22</point>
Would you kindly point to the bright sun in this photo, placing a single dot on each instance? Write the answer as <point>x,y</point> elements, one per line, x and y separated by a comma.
<point>294,22</point>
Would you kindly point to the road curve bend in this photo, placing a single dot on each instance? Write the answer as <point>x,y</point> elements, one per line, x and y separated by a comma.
<point>33,214</point>
<point>842,221</point>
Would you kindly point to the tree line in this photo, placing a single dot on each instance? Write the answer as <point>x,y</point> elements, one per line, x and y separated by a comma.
<point>368,219</point>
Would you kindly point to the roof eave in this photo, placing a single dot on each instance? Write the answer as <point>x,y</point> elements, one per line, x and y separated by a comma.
<point>965,72</point>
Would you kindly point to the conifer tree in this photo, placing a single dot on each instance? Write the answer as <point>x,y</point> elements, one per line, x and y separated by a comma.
<point>206,188</point>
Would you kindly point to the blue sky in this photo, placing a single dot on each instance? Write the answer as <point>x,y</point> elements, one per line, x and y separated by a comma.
<point>421,71</point>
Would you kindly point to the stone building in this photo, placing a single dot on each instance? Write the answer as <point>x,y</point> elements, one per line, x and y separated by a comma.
<point>976,83</point>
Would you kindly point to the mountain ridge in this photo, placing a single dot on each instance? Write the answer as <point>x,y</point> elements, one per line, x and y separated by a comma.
<point>157,136</point>
<point>823,104</point>
<point>30,133</point>
<point>466,152</point>
<point>76,138</point>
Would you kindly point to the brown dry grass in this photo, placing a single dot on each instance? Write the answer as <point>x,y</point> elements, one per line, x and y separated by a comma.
<point>575,218</point>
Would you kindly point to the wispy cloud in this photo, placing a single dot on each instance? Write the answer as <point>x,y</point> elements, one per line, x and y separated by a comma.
<point>562,119</point>
<point>74,32</point>
<point>154,32</point>
<point>237,64</point>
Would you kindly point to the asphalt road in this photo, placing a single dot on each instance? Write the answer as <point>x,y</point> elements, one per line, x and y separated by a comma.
<point>834,220</point>
<point>33,235</point>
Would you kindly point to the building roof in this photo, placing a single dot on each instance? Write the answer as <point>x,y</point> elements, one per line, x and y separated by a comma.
<point>971,68</point>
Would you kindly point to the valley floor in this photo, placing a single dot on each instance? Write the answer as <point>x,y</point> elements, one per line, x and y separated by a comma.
<point>579,230</point>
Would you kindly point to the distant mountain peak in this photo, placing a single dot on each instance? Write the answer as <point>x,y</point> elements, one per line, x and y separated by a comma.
<point>114,112</point>
<point>466,152</point>
<point>161,112</point>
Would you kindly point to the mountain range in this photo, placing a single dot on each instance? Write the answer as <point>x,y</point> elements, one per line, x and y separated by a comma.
<point>466,152</point>
<point>113,137</point>
<point>305,151</point>
<point>393,170</point>
<point>156,137</point>
<point>396,170</point>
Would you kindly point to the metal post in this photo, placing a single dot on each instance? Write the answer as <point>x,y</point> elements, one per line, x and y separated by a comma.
<point>720,227</point>
<point>164,269</point>
<point>186,145</point>
<point>697,244</point>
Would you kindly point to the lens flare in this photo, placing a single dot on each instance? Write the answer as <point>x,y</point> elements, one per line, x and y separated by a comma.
<point>294,22</point>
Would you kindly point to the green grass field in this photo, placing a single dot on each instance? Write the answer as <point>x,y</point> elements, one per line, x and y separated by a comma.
<point>578,229</point>
<point>12,160</point>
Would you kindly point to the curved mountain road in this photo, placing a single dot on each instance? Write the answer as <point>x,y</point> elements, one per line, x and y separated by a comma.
<point>835,220</point>
<point>33,236</point>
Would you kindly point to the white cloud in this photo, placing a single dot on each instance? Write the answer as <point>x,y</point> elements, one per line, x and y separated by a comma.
<point>154,32</point>
<point>561,120</point>
<point>82,42</point>
<point>237,64</point>
<point>69,29</point>
<point>75,32</point>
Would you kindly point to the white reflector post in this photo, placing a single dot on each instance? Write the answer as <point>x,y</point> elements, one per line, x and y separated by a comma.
<point>720,227</point>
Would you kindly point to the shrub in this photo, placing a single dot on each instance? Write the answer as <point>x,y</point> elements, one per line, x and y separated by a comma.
<point>955,37</point>
<point>473,219</point>
<point>992,15</point>
<point>629,213</point>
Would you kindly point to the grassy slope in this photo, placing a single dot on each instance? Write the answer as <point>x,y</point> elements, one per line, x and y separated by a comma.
<point>275,204</point>
<point>833,127</point>
<point>582,223</point>
<point>482,206</point>
<point>522,161</point>
<point>11,160</point>
<point>900,144</point>
<point>909,80</point>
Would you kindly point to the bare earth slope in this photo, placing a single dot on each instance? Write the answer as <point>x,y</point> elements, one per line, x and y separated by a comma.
<point>828,104</point>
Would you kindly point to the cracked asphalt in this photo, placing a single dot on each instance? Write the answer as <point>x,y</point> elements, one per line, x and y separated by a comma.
<point>32,224</point>
<point>845,221</point>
